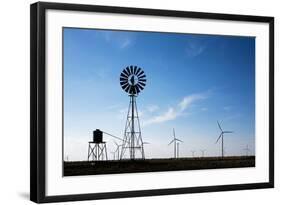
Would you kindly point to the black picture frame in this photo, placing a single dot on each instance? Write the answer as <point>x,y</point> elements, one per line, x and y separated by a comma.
<point>38,103</point>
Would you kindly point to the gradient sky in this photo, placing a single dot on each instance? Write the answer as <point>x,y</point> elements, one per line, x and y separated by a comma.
<point>192,81</point>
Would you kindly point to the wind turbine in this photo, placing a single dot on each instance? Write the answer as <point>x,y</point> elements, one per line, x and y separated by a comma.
<point>221,137</point>
<point>117,149</point>
<point>192,152</point>
<point>203,152</point>
<point>247,150</point>
<point>175,143</point>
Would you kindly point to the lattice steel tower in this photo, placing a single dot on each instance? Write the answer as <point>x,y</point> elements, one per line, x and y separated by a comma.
<point>132,81</point>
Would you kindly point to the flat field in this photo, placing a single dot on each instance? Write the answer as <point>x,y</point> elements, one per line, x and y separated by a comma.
<point>76,168</point>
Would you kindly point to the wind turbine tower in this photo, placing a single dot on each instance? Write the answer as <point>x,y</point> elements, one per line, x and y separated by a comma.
<point>178,149</point>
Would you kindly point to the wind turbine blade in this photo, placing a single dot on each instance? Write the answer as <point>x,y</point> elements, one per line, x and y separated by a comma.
<point>218,138</point>
<point>171,142</point>
<point>174,133</point>
<point>219,126</point>
<point>179,140</point>
<point>228,132</point>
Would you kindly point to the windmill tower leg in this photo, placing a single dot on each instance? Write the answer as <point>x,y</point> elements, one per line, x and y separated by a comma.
<point>133,129</point>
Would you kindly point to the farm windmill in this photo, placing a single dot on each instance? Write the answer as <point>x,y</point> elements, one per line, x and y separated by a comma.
<point>247,150</point>
<point>175,140</point>
<point>221,137</point>
<point>132,81</point>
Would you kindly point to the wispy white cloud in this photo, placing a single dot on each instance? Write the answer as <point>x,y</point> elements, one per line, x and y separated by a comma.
<point>178,110</point>
<point>227,108</point>
<point>152,108</point>
<point>170,114</point>
<point>194,47</point>
<point>122,40</point>
<point>188,100</point>
<point>204,109</point>
<point>127,42</point>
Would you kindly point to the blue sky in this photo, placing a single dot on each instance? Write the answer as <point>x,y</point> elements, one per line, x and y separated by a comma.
<point>192,81</point>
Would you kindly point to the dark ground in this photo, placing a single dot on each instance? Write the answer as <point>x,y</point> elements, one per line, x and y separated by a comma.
<point>152,165</point>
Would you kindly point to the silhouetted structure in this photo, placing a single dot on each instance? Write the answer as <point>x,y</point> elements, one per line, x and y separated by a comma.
<point>221,137</point>
<point>97,148</point>
<point>132,81</point>
<point>175,140</point>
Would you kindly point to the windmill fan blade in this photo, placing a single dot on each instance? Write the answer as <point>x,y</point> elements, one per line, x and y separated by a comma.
<point>124,75</point>
<point>131,69</point>
<point>228,132</point>
<point>123,82</point>
<point>128,70</point>
<point>124,87</point>
<point>135,69</point>
<point>142,80</point>
<point>127,88</point>
<point>139,86</point>
<point>123,79</point>
<point>141,73</point>
<point>138,71</point>
<point>219,125</point>
<point>218,138</point>
<point>143,84</point>
<point>143,76</point>
<point>137,89</point>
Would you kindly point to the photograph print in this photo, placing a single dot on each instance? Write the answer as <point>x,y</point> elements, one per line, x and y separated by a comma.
<point>139,101</point>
